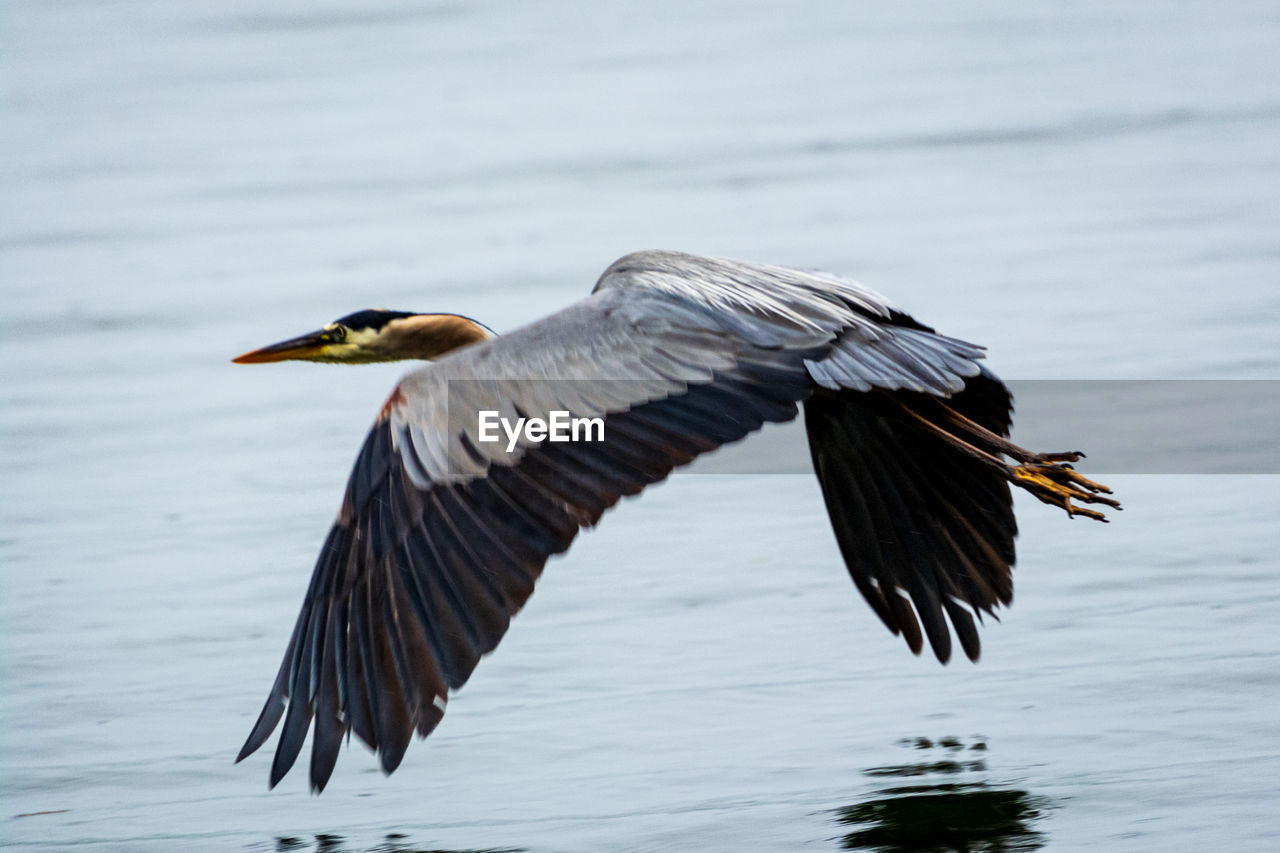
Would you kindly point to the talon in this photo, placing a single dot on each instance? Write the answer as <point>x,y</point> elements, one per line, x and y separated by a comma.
<point>1059,484</point>
<point>1061,456</point>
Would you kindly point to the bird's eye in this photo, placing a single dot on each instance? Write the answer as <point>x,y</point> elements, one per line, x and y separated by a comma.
<point>338,333</point>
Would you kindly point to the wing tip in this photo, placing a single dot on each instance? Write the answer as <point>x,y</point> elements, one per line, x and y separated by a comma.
<point>943,653</point>
<point>268,719</point>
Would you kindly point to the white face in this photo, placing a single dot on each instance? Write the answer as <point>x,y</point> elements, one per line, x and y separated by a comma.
<point>349,346</point>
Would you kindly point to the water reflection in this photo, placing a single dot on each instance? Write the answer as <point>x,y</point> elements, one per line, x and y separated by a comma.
<point>958,812</point>
<point>393,842</point>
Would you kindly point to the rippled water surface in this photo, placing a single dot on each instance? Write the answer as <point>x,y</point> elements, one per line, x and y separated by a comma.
<point>1090,189</point>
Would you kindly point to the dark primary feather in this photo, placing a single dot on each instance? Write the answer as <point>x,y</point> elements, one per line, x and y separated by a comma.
<point>914,518</point>
<point>441,538</point>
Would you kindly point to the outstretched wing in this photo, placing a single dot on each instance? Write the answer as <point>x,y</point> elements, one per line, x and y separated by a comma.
<point>441,534</point>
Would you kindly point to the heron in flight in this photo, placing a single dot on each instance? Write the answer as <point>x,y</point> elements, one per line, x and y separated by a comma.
<point>442,534</point>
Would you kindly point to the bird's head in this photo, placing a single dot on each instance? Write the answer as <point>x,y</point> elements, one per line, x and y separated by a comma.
<point>376,334</point>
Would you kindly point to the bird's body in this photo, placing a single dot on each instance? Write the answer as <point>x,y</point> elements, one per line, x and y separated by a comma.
<point>442,533</point>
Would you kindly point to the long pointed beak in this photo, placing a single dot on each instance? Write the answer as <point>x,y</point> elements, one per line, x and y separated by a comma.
<point>304,347</point>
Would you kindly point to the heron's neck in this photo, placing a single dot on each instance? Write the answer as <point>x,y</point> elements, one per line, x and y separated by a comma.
<point>429,336</point>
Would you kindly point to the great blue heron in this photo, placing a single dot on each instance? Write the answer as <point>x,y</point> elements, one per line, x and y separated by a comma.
<point>441,534</point>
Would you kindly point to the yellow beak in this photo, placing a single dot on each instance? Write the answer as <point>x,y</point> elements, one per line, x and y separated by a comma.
<point>306,347</point>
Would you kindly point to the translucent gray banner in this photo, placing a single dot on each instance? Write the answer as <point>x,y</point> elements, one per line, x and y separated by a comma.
<point>1124,426</point>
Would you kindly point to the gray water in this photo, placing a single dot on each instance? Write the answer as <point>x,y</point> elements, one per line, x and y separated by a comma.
<point>1092,190</point>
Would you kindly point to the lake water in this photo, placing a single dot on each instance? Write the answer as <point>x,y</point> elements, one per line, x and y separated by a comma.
<point>1091,189</point>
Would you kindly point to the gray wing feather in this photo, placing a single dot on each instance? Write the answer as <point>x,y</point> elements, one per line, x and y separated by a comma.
<point>616,349</point>
<point>876,344</point>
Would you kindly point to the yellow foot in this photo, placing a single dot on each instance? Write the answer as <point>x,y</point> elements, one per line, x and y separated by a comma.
<point>1053,481</point>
